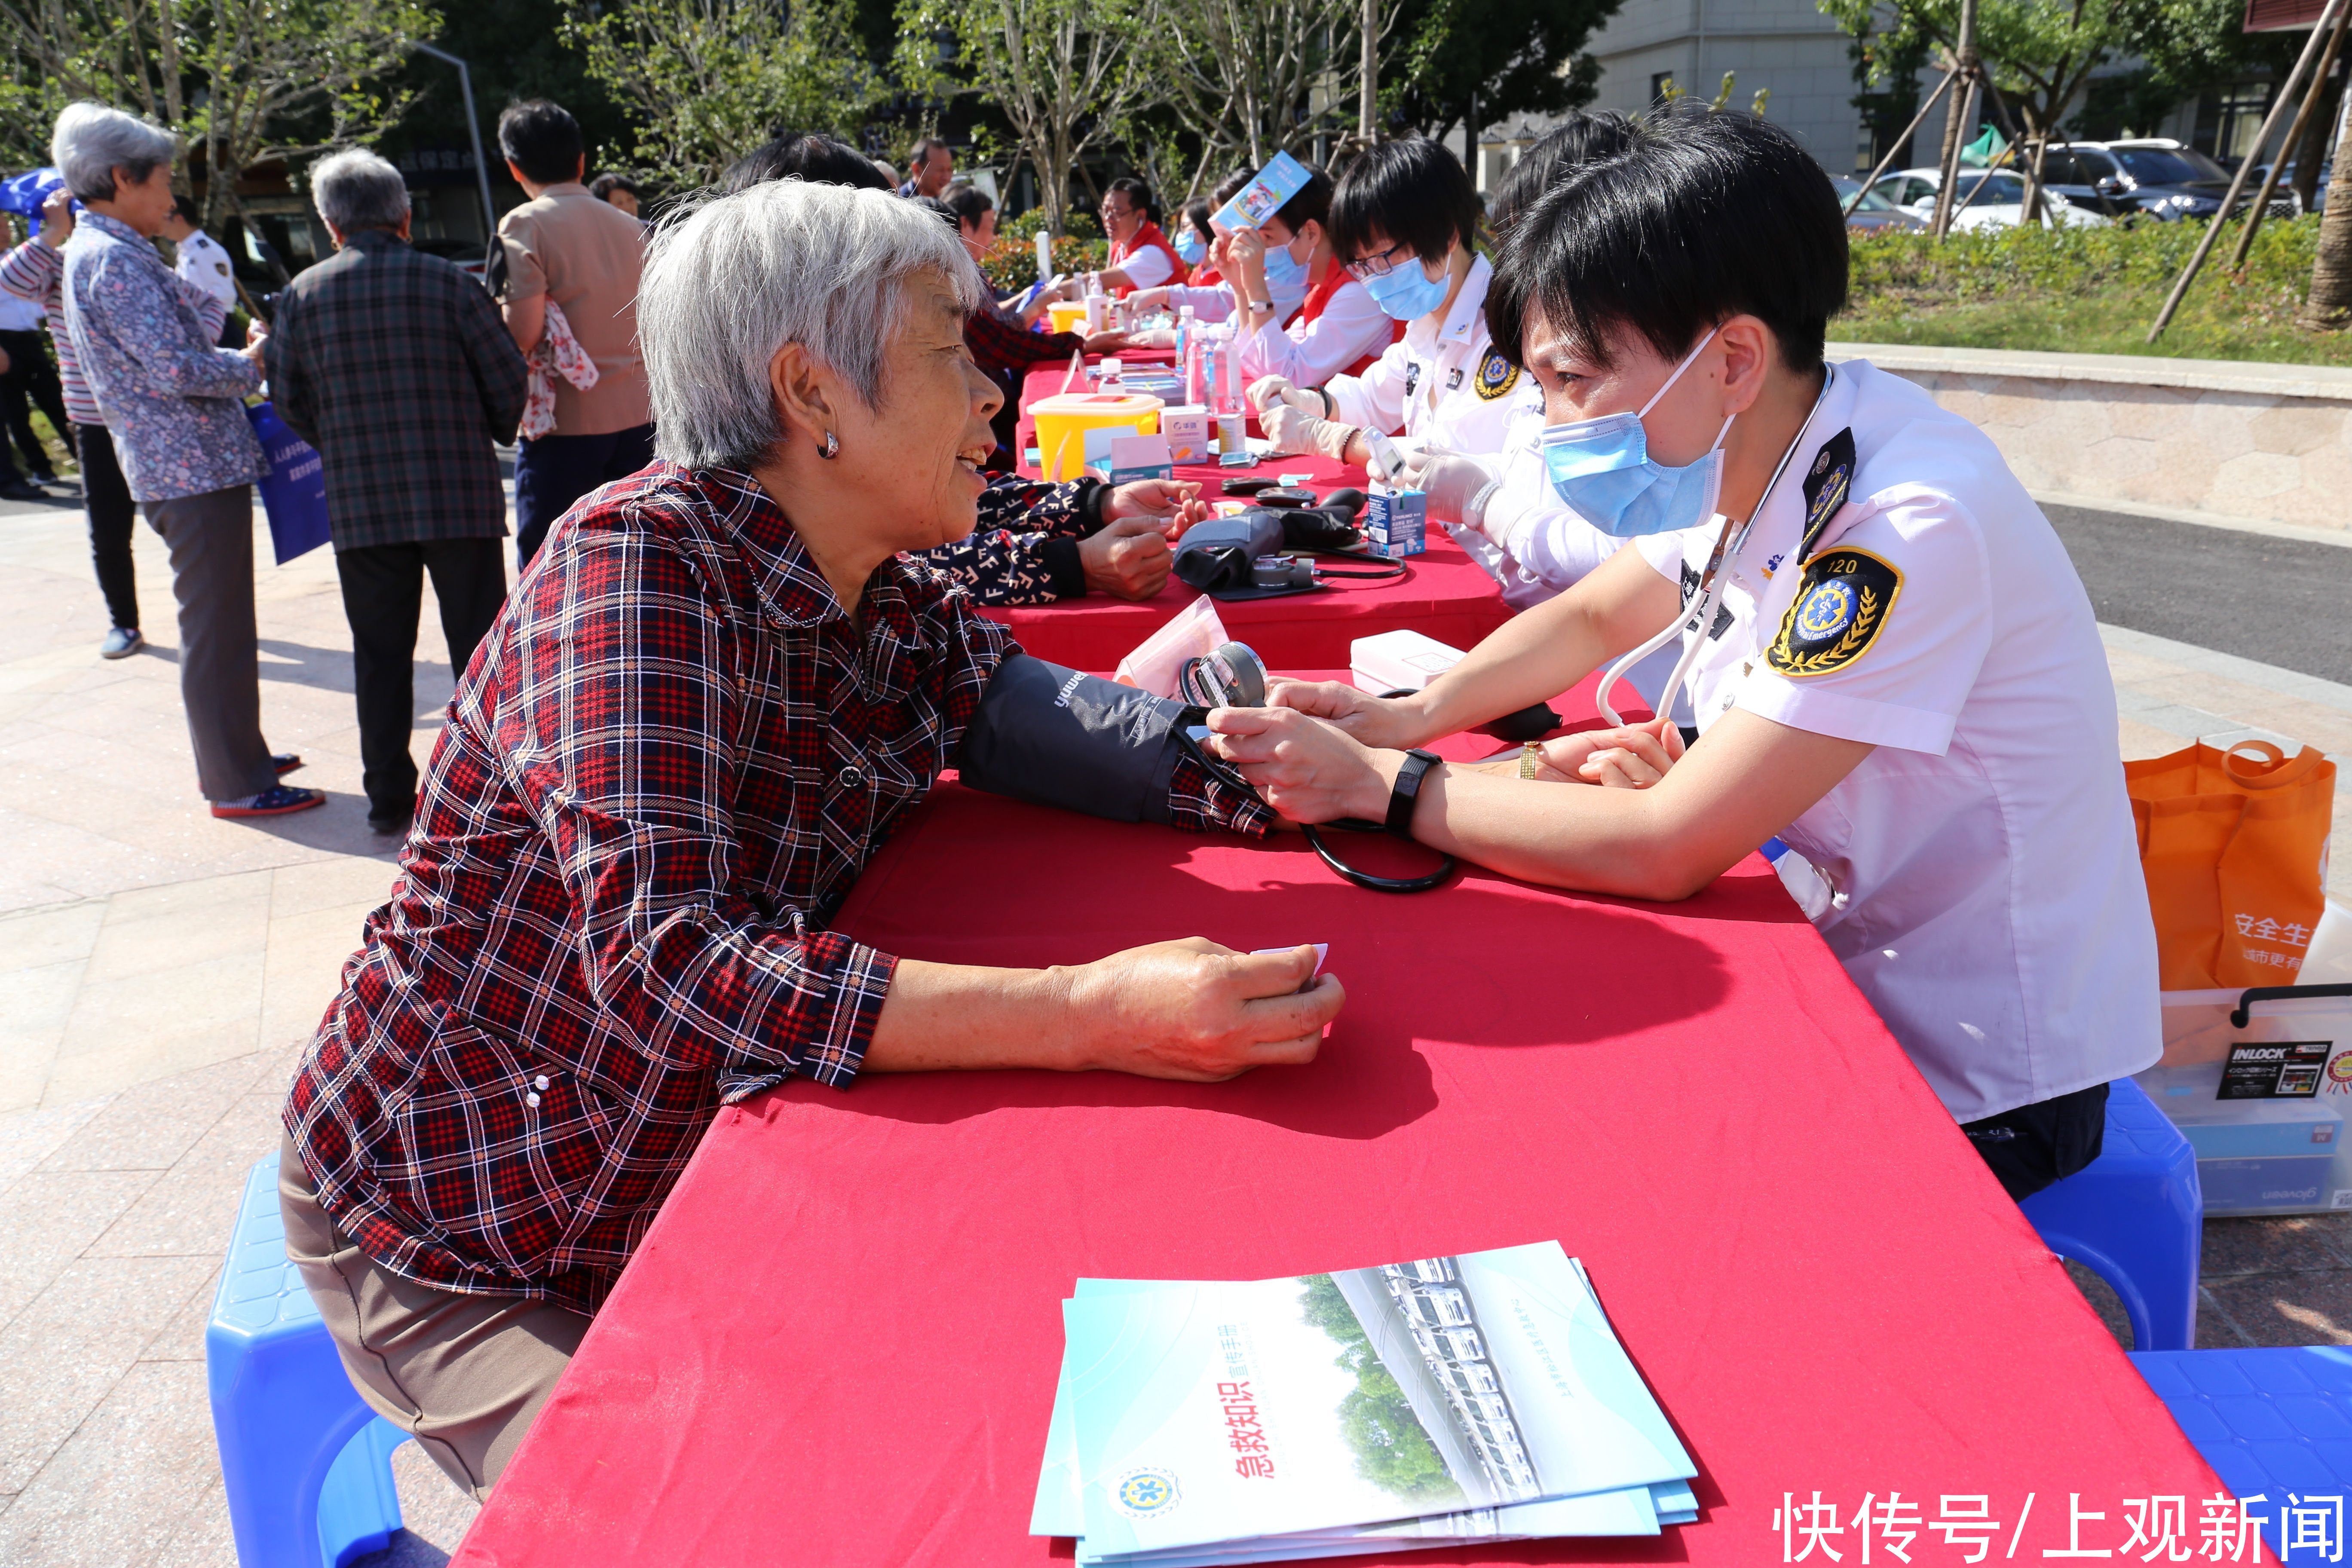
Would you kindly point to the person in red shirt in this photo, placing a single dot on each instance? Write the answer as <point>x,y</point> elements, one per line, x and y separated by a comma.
<point>1141,256</point>
<point>1193,240</point>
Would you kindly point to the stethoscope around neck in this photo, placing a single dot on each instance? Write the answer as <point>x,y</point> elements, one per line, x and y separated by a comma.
<point>1710,586</point>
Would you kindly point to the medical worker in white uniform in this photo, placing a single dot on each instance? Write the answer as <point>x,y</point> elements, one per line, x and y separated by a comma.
<point>1895,669</point>
<point>1404,219</point>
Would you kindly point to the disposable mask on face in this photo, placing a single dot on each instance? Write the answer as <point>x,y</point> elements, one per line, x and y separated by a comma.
<point>1190,249</point>
<point>1282,273</point>
<point>1601,469</point>
<point>1405,292</point>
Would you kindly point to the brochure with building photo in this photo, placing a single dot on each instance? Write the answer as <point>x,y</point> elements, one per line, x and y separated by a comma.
<point>1212,1413</point>
<point>1057,1512</point>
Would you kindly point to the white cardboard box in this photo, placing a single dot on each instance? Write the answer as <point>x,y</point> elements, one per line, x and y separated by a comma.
<point>1399,661</point>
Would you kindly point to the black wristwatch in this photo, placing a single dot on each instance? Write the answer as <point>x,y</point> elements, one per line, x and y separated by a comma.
<point>1407,790</point>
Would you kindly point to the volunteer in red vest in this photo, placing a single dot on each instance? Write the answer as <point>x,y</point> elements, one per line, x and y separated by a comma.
<point>1193,238</point>
<point>1141,256</point>
<point>1338,327</point>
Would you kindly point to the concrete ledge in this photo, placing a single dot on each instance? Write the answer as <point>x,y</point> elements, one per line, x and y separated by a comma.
<point>2240,442</point>
<point>2333,382</point>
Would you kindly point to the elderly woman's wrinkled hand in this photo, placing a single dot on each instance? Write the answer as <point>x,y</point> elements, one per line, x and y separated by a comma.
<point>1175,504</point>
<point>57,218</point>
<point>1193,1010</point>
<point>1129,559</point>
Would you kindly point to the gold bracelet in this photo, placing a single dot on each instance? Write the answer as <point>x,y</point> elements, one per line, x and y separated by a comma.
<point>1531,759</point>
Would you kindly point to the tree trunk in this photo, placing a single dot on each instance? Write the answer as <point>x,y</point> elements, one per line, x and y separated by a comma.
<point>2032,212</point>
<point>2314,148</point>
<point>2329,309</point>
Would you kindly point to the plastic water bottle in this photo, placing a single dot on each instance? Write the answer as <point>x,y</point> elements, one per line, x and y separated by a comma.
<point>1184,342</point>
<point>1111,378</point>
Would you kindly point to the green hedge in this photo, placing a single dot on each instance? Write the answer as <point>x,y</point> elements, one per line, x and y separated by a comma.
<point>2090,290</point>
<point>1012,262</point>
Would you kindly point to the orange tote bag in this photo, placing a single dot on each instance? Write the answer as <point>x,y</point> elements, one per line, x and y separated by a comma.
<point>2234,847</point>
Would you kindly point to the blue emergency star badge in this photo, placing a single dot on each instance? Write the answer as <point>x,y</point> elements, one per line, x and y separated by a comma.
<point>1146,1493</point>
<point>1497,376</point>
<point>1844,601</point>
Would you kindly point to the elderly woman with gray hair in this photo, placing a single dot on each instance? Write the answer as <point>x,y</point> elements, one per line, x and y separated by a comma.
<point>716,692</point>
<point>173,407</point>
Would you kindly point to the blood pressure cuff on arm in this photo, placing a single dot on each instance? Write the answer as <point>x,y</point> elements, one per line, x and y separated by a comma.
<point>1055,737</point>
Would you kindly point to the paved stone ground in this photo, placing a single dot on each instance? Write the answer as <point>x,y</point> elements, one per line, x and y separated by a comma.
<point>160,969</point>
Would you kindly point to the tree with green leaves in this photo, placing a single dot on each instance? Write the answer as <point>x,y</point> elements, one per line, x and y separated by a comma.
<point>1252,78</point>
<point>1065,74</point>
<point>708,80</point>
<point>1476,63</point>
<point>2039,53</point>
<point>1391,1446</point>
<point>241,81</point>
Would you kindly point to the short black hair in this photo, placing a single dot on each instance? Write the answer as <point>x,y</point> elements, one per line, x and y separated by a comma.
<point>190,214</point>
<point>920,158</point>
<point>946,213</point>
<point>1702,216</point>
<point>1196,213</point>
<point>1311,205</point>
<point>819,159</point>
<point>603,186</point>
<point>968,202</point>
<point>1578,139</point>
<point>541,140</point>
<point>1136,192</point>
<point>1229,187</point>
<point>1412,193</point>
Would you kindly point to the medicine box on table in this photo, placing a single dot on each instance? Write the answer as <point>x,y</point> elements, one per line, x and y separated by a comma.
<point>1396,521</point>
<point>2264,1102</point>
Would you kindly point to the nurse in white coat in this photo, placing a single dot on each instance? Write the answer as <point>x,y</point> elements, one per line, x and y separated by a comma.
<point>1895,669</point>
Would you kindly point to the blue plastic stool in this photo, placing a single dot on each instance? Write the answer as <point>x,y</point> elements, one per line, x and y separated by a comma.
<point>307,1463</point>
<point>2134,1217</point>
<point>2273,1423</point>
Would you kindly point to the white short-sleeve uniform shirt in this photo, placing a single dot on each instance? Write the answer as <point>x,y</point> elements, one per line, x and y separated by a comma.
<point>1988,895</point>
<point>1443,385</point>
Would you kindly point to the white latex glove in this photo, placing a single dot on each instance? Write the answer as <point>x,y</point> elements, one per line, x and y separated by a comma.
<point>1264,392</point>
<point>1292,429</point>
<point>1458,486</point>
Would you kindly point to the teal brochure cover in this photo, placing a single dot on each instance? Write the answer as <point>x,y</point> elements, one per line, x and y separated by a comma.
<point>1057,1510</point>
<point>1209,1413</point>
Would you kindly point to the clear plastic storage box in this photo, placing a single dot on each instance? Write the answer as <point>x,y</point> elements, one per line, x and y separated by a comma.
<point>2259,1082</point>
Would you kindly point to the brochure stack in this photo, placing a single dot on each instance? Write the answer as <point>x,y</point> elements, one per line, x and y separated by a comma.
<point>1446,1401</point>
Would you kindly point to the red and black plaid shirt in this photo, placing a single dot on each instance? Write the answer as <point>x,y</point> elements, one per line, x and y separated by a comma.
<point>661,775</point>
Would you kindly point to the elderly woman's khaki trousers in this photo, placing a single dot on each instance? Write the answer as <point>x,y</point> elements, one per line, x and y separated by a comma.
<point>466,1374</point>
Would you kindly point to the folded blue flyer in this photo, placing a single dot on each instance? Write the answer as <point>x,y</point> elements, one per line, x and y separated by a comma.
<point>1448,1401</point>
<point>1280,180</point>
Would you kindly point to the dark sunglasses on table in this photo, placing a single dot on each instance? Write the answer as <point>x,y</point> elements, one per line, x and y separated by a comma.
<point>1381,265</point>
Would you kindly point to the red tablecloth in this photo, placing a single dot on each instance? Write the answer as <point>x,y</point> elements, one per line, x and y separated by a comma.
<point>838,1343</point>
<point>1445,595</point>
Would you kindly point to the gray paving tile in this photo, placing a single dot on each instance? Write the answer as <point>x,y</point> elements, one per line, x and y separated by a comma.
<point>149,1127</point>
<point>123,1489</point>
<point>2307,1309</point>
<point>2104,1301</point>
<point>183,1338</point>
<point>190,1210</point>
<point>29,1137</point>
<point>49,1219</point>
<point>63,1354</point>
<point>2294,1242</point>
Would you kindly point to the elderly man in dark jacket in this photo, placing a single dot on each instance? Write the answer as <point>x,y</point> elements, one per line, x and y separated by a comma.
<point>396,367</point>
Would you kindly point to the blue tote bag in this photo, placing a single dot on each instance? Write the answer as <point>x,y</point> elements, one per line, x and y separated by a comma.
<point>294,491</point>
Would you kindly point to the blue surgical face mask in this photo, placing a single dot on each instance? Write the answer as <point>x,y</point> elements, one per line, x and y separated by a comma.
<point>1602,469</point>
<point>1190,247</point>
<point>1405,292</point>
<point>1284,274</point>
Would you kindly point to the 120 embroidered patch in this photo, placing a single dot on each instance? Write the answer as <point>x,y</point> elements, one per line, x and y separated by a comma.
<point>1839,610</point>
